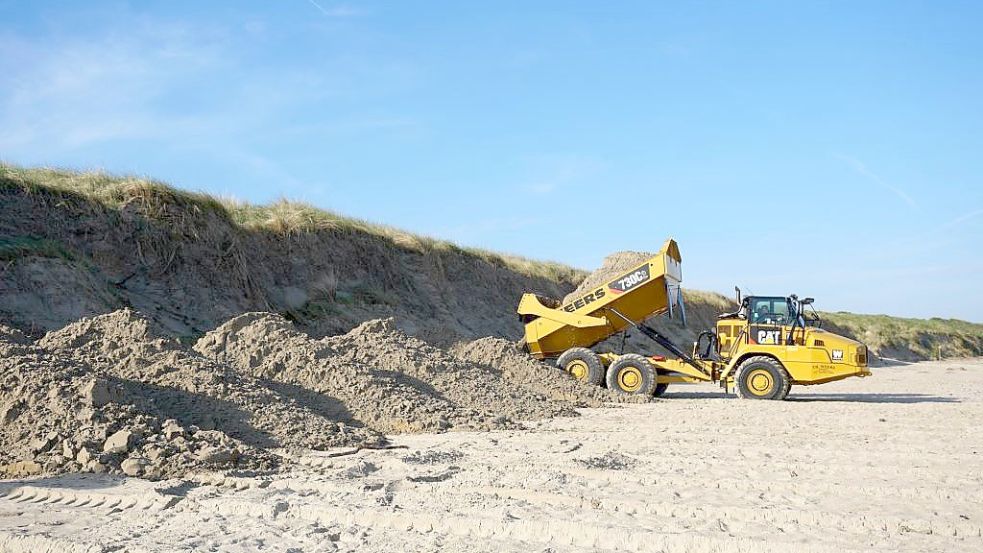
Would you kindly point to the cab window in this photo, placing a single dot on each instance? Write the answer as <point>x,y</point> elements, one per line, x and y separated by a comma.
<point>772,311</point>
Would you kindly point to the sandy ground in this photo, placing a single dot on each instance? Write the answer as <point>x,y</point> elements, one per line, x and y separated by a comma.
<point>889,463</point>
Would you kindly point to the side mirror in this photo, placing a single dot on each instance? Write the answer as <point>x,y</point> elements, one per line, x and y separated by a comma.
<point>808,301</point>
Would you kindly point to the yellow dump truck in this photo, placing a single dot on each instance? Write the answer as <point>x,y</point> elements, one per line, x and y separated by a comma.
<point>759,351</point>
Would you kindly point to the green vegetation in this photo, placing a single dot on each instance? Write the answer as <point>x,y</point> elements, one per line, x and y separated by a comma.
<point>285,218</point>
<point>13,248</point>
<point>108,190</point>
<point>712,299</point>
<point>899,324</point>
<point>907,338</point>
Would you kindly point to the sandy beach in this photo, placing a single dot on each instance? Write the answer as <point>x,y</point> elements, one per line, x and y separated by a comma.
<point>888,463</point>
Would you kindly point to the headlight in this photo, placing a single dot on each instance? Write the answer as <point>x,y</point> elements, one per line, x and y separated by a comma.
<point>860,357</point>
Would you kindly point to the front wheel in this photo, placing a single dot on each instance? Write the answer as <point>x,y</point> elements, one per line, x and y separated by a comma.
<point>762,377</point>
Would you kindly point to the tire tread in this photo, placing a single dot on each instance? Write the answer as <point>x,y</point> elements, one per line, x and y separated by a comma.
<point>784,384</point>
<point>649,376</point>
<point>595,367</point>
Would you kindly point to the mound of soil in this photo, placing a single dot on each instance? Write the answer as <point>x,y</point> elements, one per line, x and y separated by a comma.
<point>107,394</point>
<point>59,415</point>
<point>268,346</point>
<point>198,391</point>
<point>12,336</point>
<point>479,387</point>
<point>114,393</point>
<point>520,370</point>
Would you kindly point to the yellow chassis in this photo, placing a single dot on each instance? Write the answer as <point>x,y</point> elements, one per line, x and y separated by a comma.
<point>675,371</point>
<point>805,366</point>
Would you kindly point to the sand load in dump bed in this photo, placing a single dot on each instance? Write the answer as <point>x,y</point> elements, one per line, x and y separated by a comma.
<point>618,299</point>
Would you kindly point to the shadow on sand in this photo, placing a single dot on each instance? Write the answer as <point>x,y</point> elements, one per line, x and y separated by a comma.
<point>875,398</point>
<point>848,398</point>
<point>62,482</point>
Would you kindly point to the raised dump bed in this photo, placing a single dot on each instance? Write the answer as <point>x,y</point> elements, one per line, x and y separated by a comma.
<point>651,288</point>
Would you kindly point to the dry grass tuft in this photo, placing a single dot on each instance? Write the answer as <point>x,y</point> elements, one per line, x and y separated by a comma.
<point>284,218</point>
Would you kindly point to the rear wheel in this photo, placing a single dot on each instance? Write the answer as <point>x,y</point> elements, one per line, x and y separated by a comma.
<point>632,374</point>
<point>761,377</point>
<point>582,364</point>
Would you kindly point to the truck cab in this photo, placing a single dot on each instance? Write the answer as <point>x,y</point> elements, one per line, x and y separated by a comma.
<point>761,319</point>
<point>786,332</point>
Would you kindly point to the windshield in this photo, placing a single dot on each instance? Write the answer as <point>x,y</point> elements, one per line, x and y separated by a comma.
<point>773,311</point>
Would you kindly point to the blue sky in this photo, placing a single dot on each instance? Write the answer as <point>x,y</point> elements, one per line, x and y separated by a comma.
<point>830,149</point>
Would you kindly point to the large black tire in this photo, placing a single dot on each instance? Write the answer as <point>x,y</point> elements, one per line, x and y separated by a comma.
<point>632,374</point>
<point>582,364</point>
<point>762,377</point>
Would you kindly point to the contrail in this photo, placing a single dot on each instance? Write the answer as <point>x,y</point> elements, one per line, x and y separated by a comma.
<point>321,9</point>
<point>859,167</point>
<point>963,218</point>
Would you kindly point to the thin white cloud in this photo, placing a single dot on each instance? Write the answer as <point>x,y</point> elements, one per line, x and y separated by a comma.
<point>172,85</point>
<point>861,169</point>
<point>337,11</point>
<point>73,93</point>
<point>963,218</point>
<point>551,173</point>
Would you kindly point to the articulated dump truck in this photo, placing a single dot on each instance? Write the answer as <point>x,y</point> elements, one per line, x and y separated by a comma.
<point>759,351</point>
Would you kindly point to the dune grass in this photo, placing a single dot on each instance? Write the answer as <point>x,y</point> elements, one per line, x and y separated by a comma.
<point>889,323</point>
<point>283,217</point>
<point>718,301</point>
<point>927,338</point>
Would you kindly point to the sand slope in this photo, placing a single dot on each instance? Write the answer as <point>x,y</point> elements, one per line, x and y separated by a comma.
<point>889,463</point>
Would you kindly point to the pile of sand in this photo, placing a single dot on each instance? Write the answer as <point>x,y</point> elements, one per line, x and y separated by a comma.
<point>518,369</point>
<point>58,415</point>
<point>196,390</point>
<point>268,346</point>
<point>614,266</point>
<point>112,394</point>
<point>12,336</point>
<point>107,394</point>
<point>483,389</point>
